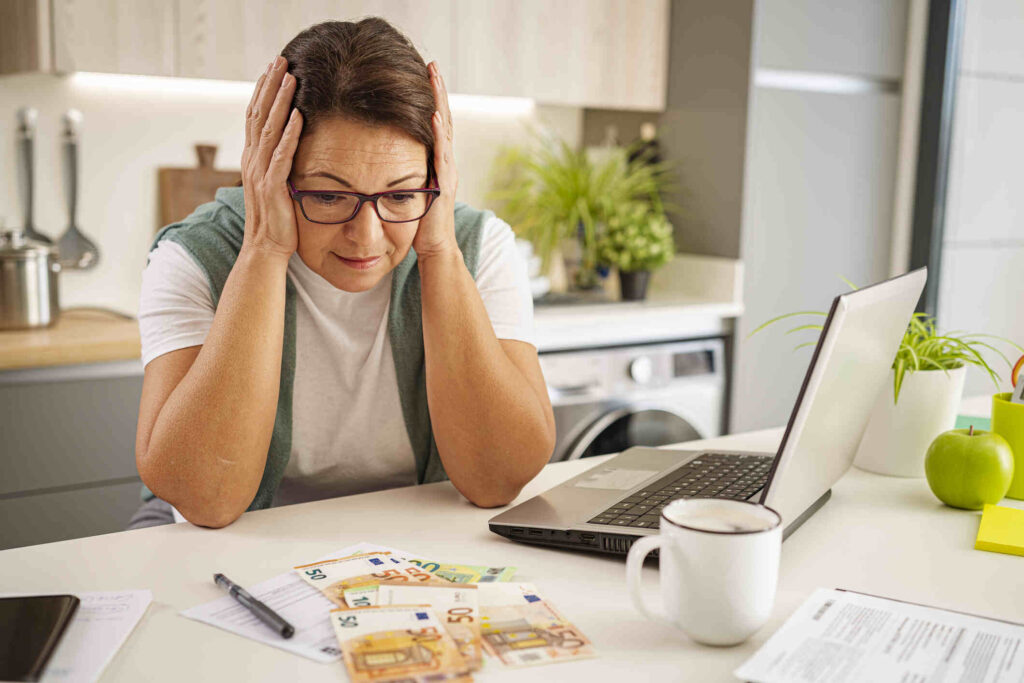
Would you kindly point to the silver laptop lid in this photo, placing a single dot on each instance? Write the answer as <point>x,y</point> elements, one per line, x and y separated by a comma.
<point>849,368</point>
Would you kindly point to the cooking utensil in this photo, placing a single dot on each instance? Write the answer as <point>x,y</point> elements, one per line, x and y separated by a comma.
<point>28,282</point>
<point>76,250</point>
<point>181,190</point>
<point>27,117</point>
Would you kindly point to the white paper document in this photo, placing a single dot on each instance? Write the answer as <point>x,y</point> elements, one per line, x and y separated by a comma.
<point>98,629</point>
<point>845,637</point>
<point>299,603</point>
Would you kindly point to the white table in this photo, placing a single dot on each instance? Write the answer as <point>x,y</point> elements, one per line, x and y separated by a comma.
<point>879,535</point>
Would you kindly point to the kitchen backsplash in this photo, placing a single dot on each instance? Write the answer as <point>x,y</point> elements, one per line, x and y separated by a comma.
<point>133,126</point>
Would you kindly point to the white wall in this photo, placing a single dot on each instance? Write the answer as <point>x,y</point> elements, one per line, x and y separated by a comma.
<point>131,127</point>
<point>982,272</point>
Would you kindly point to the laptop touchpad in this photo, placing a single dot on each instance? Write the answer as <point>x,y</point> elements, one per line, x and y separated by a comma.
<point>614,478</point>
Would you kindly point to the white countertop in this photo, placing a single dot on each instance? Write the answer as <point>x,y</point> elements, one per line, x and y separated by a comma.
<point>879,535</point>
<point>691,297</point>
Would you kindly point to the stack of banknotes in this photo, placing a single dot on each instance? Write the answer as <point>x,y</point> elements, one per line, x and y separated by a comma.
<point>399,618</point>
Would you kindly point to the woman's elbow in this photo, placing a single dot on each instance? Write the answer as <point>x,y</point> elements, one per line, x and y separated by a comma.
<point>216,518</point>
<point>213,511</point>
<point>492,499</point>
<point>493,494</point>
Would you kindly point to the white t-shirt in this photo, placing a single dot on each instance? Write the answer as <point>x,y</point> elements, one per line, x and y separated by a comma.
<point>348,431</point>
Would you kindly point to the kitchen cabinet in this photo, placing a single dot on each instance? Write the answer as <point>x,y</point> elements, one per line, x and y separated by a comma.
<point>25,36</point>
<point>609,54</point>
<point>68,465</point>
<point>596,53</point>
<point>114,36</point>
<point>235,39</point>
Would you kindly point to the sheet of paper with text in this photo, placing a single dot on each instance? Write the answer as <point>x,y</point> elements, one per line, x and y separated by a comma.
<point>845,637</point>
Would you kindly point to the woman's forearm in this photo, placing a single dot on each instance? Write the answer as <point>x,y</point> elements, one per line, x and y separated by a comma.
<point>493,430</point>
<point>208,447</point>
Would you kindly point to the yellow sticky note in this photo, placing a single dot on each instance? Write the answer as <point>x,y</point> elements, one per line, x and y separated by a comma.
<point>1001,530</point>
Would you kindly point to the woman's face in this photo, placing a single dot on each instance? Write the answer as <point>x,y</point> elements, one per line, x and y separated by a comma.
<point>347,155</point>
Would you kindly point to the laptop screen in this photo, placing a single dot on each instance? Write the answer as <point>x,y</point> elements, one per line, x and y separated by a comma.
<point>849,369</point>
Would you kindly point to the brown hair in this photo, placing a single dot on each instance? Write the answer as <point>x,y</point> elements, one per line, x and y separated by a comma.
<point>366,70</point>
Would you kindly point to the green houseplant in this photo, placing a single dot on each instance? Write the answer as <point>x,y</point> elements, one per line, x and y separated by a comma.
<point>925,388</point>
<point>552,193</point>
<point>637,238</point>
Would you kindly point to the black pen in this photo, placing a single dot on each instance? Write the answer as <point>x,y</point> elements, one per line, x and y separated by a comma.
<point>261,611</point>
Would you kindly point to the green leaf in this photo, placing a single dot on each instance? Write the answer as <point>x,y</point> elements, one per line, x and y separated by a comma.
<point>804,327</point>
<point>783,317</point>
<point>849,284</point>
<point>897,375</point>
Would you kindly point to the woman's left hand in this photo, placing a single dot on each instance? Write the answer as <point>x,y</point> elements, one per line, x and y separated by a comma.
<point>436,232</point>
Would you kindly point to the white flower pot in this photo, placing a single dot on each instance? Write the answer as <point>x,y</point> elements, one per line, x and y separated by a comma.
<point>898,435</point>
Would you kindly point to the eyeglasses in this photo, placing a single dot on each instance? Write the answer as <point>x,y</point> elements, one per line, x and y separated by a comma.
<point>393,206</point>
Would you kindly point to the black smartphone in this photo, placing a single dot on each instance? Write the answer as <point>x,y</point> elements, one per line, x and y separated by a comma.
<point>30,628</point>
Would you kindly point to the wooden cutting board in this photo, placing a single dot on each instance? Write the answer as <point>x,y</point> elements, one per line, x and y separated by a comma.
<point>181,190</point>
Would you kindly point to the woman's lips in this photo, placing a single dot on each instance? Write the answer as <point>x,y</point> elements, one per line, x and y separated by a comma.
<point>359,264</point>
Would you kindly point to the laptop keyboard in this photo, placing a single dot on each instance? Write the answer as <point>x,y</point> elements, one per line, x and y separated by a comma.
<point>711,475</point>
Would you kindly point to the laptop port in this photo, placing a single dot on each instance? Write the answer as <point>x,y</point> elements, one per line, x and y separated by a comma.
<point>536,532</point>
<point>517,530</point>
<point>588,537</point>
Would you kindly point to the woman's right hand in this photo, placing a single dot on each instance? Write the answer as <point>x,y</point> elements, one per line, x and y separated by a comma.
<point>271,137</point>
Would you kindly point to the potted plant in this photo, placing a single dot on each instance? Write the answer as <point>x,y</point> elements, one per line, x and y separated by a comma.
<point>923,394</point>
<point>636,239</point>
<point>552,194</point>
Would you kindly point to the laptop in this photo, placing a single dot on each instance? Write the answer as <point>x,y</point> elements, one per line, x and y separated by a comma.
<point>608,507</point>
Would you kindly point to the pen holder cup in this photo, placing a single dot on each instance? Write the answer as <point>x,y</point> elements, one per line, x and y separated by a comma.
<point>1008,422</point>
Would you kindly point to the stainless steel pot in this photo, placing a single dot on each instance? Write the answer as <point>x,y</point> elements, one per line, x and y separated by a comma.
<point>28,282</point>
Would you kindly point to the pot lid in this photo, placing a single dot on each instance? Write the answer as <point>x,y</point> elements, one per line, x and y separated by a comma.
<point>14,245</point>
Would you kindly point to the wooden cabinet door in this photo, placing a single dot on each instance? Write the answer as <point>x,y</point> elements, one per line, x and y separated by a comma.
<point>115,36</point>
<point>235,39</point>
<point>627,55</point>
<point>598,53</point>
<point>522,48</point>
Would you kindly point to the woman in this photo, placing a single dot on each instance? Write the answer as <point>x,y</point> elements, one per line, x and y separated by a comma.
<point>338,324</point>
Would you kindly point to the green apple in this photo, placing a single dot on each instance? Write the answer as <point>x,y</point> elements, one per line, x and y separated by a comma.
<point>968,468</point>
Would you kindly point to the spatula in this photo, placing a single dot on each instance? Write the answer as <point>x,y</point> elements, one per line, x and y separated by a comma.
<point>76,250</point>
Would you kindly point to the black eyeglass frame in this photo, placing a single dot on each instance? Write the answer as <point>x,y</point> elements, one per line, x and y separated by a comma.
<point>297,195</point>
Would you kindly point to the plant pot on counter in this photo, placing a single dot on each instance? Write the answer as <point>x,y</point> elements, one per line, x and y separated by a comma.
<point>633,285</point>
<point>898,434</point>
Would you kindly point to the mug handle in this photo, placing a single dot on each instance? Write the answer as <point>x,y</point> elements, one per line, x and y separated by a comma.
<point>634,565</point>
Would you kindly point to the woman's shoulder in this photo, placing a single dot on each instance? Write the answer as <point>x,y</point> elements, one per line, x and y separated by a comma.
<point>470,218</point>
<point>211,235</point>
<point>215,222</point>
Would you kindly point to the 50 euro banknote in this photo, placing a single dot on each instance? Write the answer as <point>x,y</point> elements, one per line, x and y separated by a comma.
<point>334,577</point>
<point>397,643</point>
<point>456,607</point>
<point>520,628</point>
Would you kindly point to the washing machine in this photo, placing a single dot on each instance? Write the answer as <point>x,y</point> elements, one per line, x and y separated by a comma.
<point>608,399</point>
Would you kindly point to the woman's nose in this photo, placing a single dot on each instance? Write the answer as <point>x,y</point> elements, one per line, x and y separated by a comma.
<point>365,227</point>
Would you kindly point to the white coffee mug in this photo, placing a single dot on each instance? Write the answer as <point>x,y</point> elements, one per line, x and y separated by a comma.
<point>719,568</point>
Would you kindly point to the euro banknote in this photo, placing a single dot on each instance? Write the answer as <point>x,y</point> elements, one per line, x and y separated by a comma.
<point>361,596</point>
<point>456,607</point>
<point>465,573</point>
<point>458,573</point>
<point>397,643</point>
<point>520,628</point>
<point>333,577</point>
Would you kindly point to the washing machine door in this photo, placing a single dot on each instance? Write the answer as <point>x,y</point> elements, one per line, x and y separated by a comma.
<point>631,425</point>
